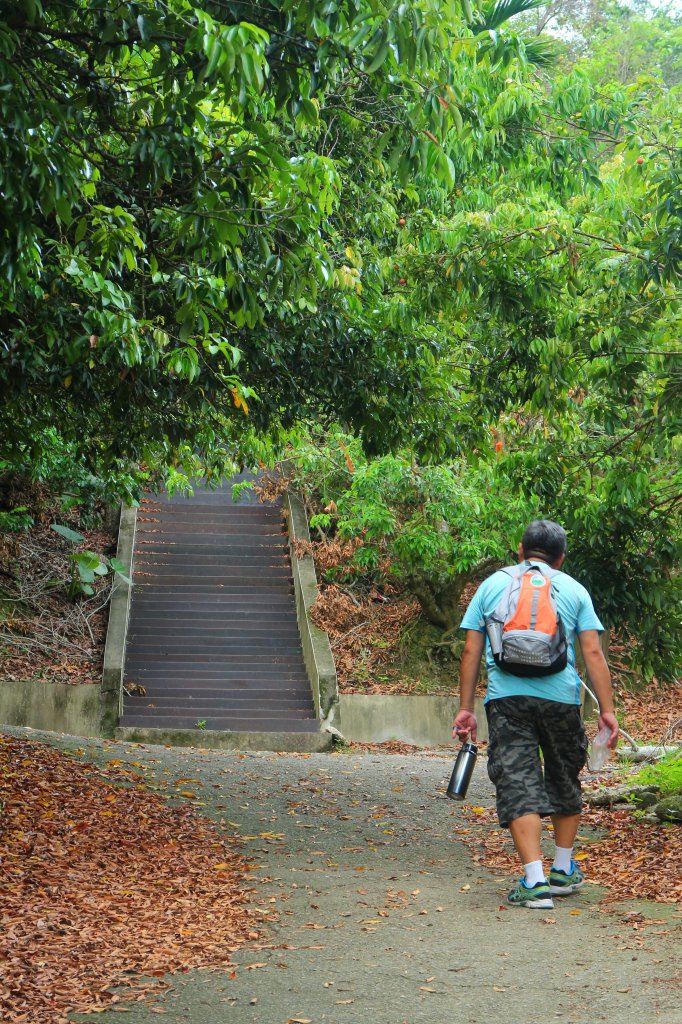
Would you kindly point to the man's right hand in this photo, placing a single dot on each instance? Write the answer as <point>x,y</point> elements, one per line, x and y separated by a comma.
<point>607,720</point>
<point>465,723</point>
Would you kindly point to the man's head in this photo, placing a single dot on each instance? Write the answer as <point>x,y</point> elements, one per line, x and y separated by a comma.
<point>545,540</point>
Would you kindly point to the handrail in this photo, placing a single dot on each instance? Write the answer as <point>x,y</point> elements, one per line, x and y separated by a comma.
<point>317,652</point>
<point>111,690</point>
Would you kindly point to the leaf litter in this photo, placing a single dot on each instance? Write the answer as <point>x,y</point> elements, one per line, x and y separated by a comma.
<point>45,636</point>
<point>631,859</point>
<point>105,885</point>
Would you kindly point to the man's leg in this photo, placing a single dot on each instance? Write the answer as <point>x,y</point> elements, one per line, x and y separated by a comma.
<point>532,890</point>
<point>514,768</point>
<point>564,746</point>
<point>526,831</point>
<point>565,876</point>
<point>565,829</point>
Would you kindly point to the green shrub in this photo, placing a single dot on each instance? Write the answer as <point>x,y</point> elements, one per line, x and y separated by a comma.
<point>667,774</point>
<point>15,520</point>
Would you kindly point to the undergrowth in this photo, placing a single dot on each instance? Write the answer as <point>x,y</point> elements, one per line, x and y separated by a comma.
<point>666,775</point>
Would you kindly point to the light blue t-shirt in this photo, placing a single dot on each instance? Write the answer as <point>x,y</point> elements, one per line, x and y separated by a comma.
<point>578,614</point>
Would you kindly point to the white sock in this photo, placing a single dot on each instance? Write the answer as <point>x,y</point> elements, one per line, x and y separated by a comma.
<point>534,873</point>
<point>562,859</point>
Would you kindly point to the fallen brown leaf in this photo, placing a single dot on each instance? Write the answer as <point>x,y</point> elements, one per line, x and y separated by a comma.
<point>85,882</point>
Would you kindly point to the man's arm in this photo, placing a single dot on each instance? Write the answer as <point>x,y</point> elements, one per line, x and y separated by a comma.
<point>465,720</point>
<point>600,678</point>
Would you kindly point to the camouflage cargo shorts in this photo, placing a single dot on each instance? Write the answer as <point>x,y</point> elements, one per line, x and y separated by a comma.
<point>536,750</point>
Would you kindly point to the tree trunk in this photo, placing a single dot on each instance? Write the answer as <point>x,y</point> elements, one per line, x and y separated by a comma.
<point>441,604</point>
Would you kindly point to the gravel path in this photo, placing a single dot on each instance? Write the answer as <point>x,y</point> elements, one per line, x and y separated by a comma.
<point>382,916</point>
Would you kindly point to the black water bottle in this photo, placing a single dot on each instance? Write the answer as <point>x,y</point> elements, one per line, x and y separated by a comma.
<point>462,772</point>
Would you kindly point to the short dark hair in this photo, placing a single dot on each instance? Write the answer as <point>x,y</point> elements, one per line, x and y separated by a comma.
<point>543,537</point>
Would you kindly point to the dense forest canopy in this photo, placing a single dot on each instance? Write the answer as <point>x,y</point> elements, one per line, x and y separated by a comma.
<point>453,235</point>
<point>172,179</point>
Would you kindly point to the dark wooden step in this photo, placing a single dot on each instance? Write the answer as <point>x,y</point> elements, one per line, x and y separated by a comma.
<point>209,617</point>
<point>224,702</point>
<point>210,500</point>
<point>200,531</point>
<point>196,531</point>
<point>218,668</point>
<point>273,651</point>
<point>216,636</point>
<point>215,547</point>
<point>207,680</point>
<point>205,584</point>
<point>182,667</point>
<point>232,723</point>
<point>296,708</point>
<point>170,637</point>
<point>210,676</point>
<point>229,630</point>
<point>209,566</point>
<point>238,570</point>
<point>198,690</point>
<point>224,552</point>
<point>205,516</point>
<point>204,711</point>
<point>261,597</point>
<point>251,603</point>
<point>230,664</point>
<point>212,624</point>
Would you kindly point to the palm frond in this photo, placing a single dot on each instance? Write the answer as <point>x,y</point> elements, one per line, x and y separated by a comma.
<point>542,52</point>
<point>492,15</point>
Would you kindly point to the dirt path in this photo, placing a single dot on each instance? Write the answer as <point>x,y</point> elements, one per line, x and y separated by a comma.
<point>381,915</point>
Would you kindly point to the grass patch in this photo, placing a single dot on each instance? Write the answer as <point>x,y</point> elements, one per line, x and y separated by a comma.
<point>666,775</point>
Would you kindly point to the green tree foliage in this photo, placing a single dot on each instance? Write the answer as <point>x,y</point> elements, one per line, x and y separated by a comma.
<point>431,528</point>
<point>547,281</point>
<point>168,194</point>
<point>550,274</point>
<point>625,42</point>
<point>219,221</point>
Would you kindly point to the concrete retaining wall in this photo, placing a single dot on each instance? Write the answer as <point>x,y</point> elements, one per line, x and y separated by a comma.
<point>317,652</point>
<point>425,721</point>
<point>55,707</point>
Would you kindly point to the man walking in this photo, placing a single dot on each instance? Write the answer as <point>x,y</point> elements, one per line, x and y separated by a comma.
<point>527,715</point>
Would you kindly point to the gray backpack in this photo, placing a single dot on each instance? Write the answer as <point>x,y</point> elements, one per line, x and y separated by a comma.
<point>526,634</point>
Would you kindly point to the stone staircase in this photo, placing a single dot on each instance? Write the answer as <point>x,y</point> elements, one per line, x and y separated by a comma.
<point>213,643</point>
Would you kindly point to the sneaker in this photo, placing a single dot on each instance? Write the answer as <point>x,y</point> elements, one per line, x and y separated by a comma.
<point>563,883</point>
<point>538,897</point>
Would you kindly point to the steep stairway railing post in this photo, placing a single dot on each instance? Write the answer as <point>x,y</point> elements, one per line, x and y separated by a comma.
<point>317,652</point>
<point>111,691</point>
